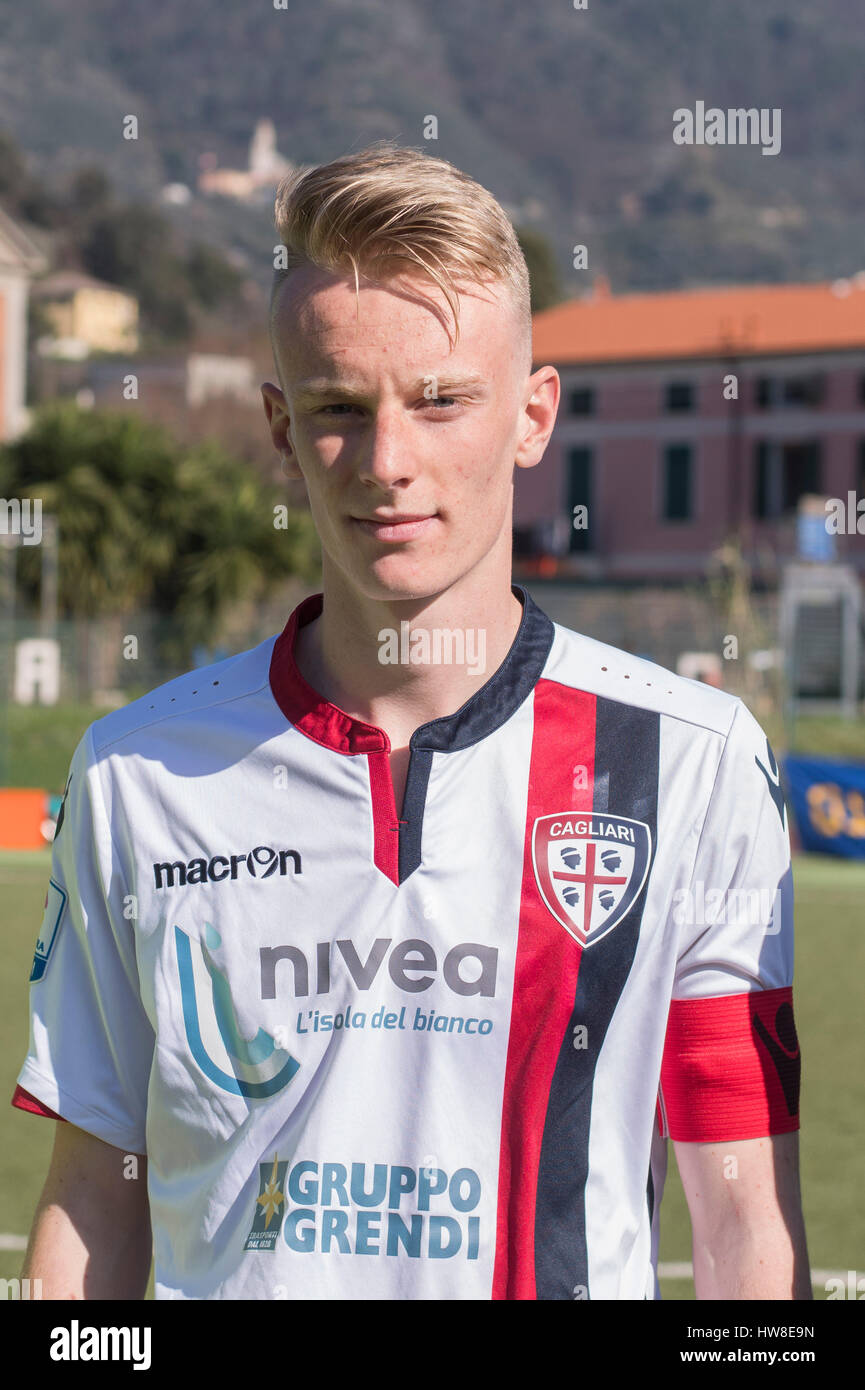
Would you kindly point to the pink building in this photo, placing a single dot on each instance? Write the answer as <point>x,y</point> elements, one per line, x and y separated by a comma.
<point>691,417</point>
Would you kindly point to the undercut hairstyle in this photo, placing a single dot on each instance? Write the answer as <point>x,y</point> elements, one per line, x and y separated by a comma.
<point>389,210</point>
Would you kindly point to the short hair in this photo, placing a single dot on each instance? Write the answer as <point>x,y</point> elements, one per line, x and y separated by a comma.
<point>387,209</point>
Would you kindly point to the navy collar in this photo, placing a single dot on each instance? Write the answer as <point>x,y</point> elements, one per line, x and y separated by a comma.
<point>484,712</point>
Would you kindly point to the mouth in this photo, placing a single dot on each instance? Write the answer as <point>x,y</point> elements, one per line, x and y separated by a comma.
<point>396,527</point>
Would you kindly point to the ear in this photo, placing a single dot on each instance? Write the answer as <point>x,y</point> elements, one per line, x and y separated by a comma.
<point>278,418</point>
<point>539,416</point>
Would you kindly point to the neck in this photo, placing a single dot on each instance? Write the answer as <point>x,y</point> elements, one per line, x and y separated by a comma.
<point>434,655</point>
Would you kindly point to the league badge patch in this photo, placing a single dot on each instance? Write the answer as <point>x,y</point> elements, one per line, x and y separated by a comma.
<point>55,905</point>
<point>590,868</point>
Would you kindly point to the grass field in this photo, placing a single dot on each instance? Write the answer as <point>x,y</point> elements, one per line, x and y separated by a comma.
<point>37,741</point>
<point>830,966</point>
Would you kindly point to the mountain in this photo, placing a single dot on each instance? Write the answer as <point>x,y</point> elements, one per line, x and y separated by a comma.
<point>566,114</point>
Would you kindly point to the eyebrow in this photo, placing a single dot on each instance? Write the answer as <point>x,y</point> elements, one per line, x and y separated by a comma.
<point>320,386</point>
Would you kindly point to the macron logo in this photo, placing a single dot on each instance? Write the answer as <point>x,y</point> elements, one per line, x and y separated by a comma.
<point>76,1343</point>
<point>773,780</point>
<point>261,862</point>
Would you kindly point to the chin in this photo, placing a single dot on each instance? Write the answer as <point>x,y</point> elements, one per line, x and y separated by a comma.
<point>389,582</point>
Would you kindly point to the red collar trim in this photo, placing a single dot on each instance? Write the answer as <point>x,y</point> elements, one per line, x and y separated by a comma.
<point>308,711</point>
<point>483,713</point>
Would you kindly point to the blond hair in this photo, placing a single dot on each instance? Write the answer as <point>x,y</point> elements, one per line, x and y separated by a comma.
<point>388,209</point>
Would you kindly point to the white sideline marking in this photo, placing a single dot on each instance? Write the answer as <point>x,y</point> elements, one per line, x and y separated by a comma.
<point>671,1269</point>
<point>683,1269</point>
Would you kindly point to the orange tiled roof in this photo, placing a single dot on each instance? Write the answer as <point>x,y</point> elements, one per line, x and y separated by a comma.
<point>754,319</point>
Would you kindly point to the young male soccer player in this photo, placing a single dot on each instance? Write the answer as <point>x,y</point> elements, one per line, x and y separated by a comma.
<point>400,970</point>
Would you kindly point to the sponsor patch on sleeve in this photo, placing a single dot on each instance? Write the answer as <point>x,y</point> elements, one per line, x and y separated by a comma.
<point>55,906</point>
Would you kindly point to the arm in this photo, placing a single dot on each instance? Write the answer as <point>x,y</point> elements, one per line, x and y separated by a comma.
<point>746,1218</point>
<point>91,1232</point>
<point>732,1061</point>
<point>88,1061</point>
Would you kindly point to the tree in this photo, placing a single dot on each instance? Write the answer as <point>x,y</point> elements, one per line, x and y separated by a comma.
<point>105,477</point>
<point>543,272</point>
<point>212,279</point>
<point>89,190</point>
<point>14,179</point>
<point>145,523</point>
<point>131,246</point>
<point>231,548</point>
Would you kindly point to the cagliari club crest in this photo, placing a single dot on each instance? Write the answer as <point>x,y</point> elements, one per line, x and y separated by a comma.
<point>590,868</point>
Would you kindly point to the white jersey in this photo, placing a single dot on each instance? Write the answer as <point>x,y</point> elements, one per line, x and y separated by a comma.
<point>434,1056</point>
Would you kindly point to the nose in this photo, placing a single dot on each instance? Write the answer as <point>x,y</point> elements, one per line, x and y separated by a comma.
<point>386,451</point>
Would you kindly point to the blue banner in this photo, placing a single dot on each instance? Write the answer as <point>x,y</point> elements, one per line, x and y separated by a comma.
<point>828,801</point>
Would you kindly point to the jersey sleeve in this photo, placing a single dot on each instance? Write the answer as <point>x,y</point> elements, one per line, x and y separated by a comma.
<point>731,1062</point>
<point>91,1041</point>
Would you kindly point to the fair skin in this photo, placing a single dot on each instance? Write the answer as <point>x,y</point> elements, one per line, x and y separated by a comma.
<point>91,1236</point>
<point>748,1232</point>
<point>351,419</point>
<point>355,424</point>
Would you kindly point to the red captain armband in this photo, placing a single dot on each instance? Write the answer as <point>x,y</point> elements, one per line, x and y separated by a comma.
<point>731,1068</point>
<point>24,1101</point>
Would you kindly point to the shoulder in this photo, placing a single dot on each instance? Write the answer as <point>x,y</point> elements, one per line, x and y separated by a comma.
<point>610,673</point>
<point>187,697</point>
